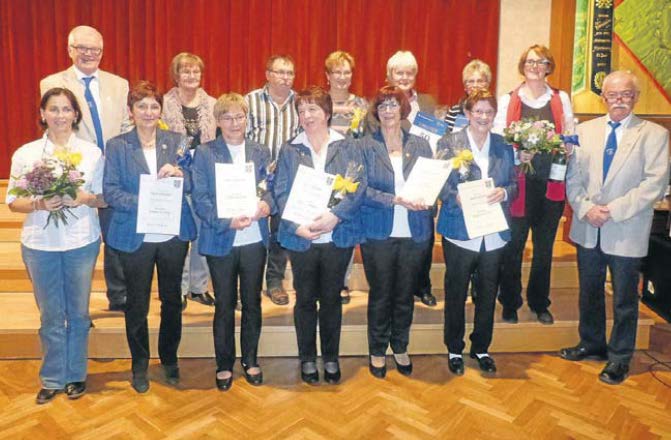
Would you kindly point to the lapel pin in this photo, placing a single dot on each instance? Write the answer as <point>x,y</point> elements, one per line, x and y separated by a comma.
<point>164,147</point>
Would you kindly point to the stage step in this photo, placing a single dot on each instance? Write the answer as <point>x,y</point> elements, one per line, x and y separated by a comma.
<point>19,329</point>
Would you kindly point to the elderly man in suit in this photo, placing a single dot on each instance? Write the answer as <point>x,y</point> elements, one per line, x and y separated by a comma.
<point>613,180</point>
<point>102,97</point>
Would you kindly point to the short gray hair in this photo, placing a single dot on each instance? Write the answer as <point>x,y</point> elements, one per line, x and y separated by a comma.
<point>402,58</point>
<point>83,29</point>
<point>626,73</point>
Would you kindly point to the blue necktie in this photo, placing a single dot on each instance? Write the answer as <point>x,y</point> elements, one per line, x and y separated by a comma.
<point>94,113</point>
<point>611,147</point>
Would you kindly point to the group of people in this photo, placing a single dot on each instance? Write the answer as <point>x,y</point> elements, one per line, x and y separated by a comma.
<point>120,135</point>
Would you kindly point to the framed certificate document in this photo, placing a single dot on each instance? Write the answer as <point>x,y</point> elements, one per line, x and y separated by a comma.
<point>309,196</point>
<point>159,208</point>
<point>235,187</point>
<point>481,218</point>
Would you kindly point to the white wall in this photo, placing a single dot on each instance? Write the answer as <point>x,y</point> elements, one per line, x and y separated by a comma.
<point>523,23</point>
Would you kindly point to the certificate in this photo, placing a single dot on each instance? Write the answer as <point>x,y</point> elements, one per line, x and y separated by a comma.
<point>426,179</point>
<point>159,209</point>
<point>235,188</point>
<point>309,196</point>
<point>481,218</point>
<point>428,127</point>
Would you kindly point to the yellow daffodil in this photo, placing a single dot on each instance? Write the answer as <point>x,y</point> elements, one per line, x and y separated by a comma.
<point>356,118</point>
<point>345,185</point>
<point>463,159</point>
<point>75,159</point>
<point>162,125</point>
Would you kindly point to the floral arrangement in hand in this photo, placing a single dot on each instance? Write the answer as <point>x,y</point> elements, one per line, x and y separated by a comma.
<point>51,177</point>
<point>347,184</point>
<point>533,136</point>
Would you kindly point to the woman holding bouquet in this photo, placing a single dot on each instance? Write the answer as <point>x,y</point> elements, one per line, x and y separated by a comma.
<point>235,248</point>
<point>320,251</point>
<point>540,203</point>
<point>60,238</point>
<point>476,154</point>
<point>147,150</point>
<point>396,230</point>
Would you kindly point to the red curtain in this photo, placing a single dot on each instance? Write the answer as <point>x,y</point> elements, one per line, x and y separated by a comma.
<point>234,38</point>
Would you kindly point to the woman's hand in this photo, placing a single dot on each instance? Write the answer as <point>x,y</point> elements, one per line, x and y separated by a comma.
<point>241,222</point>
<point>305,232</point>
<point>324,223</point>
<point>51,204</point>
<point>525,156</point>
<point>83,198</point>
<point>496,196</point>
<point>262,210</point>
<point>412,205</point>
<point>169,170</point>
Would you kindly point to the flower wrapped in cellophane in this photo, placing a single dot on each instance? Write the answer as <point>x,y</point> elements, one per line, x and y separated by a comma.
<point>533,136</point>
<point>347,184</point>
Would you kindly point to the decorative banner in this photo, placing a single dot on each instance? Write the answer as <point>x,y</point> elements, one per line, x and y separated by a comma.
<point>602,43</point>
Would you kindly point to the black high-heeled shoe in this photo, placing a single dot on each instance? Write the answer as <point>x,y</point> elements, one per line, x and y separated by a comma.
<point>252,379</point>
<point>332,377</point>
<point>405,370</point>
<point>224,384</point>
<point>310,378</point>
<point>379,372</point>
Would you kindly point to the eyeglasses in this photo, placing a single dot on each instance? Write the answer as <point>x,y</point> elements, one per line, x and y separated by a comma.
<point>194,72</point>
<point>341,73</point>
<point>534,63</point>
<point>230,119</point>
<point>83,50</point>
<point>479,81</point>
<point>286,73</point>
<point>388,105</point>
<point>480,113</point>
<point>627,95</point>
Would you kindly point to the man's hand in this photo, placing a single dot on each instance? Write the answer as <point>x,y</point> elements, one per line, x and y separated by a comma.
<point>598,215</point>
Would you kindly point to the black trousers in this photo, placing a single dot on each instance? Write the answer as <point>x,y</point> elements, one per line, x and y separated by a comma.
<point>246,264</point>
<point>114,280</point>
<point>592,264</point>
<point>277,257</point>
<point>459,265</point>
<point>424,278</point>
<point>392,269</point>
<point>318,274</point>
<point>138,269</point>
<point>542,217</point>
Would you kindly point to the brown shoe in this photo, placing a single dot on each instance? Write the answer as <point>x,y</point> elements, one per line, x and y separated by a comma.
<point>278,296</point>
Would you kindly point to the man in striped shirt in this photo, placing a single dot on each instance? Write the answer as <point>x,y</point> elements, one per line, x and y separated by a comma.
<point>273,120</point>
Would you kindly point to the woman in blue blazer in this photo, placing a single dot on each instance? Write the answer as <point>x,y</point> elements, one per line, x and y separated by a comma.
<point>235,248</point>
<point>319,251</point>
<point>491,158</point>
<point>397,231</point>
<point>147,150</point>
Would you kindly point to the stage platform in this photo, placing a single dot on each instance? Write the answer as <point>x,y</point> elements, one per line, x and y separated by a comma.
<point>20,323</point>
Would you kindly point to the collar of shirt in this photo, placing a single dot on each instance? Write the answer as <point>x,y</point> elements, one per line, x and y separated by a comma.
<point>318,159</point>
<point>81,75</point>
<point>623,123</point>
<point>237,152</point>
<point>536,102</point>
<point>481,157</point>
<point>49,146</point>
<point>266,94</point>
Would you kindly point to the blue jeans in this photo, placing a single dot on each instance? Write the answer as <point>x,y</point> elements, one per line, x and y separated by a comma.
<point>62,285</point>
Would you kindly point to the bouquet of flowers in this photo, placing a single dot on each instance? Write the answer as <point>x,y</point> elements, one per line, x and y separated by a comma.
<point>533,136</point>
<point>267,176</point>
<point>345,185</point>
<point>356,126</point>
<point>55,176</point>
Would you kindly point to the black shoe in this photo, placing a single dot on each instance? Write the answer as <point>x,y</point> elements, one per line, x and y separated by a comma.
<point>278,296</point>
<point>45,395</point>
<point>140,383</point>
<point>344,295</point>
<point>253,379</point>
<point>509,316</point>
<point>334,377</point>
<point>117,307</point>
<point>456,365</point>
<point>184,302</point>
<point>171,374</point>
<point>580,352</point>
<point>309,378</point>
<point>405,370</point>
<point>75,390</point>
<point>203,298</point>
<point>379,372</point>
<point>614,373</point>
<point>224,384</point>
<point>545,317</point>
<point>486,363</point>
<point>428,299</point>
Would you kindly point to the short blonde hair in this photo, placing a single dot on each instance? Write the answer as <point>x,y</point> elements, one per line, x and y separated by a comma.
<point>402,58</point>
<point>338,58</point>
<point>227,101</point>
<point>184,59</point>
<point>476,66</point>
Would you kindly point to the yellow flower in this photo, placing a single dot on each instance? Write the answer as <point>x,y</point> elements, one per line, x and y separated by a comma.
<point>463,159</point>
<point>75,159</point>
<point>345,185</point>
<point>162,125</point>
<point>356,119</point>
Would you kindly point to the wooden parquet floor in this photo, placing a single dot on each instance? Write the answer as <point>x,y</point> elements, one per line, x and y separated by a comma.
<point>533,396</point>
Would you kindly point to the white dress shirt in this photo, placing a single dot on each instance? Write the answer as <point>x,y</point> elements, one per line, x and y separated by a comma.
<point>401,226</point>
<point>94,86</point>
<point>252,233</point>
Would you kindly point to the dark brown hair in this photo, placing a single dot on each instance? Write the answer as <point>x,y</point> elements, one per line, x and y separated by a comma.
<point>141,90</point>
<point>315,95</point>
<point>477,96</point>
<point>58,91</point>
<point>390,92</point>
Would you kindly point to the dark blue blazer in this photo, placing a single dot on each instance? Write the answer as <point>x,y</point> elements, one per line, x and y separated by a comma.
<point>347,232</point>
<point>377,210</point>
<point>216,235</point>
<point>124,163</point>
<point>501,169</point>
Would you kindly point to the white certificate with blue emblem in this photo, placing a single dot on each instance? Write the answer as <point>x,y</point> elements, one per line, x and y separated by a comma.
<point>159,205</point>
<point>309,196</point>
<point>426,180</point>
<point>235,188</point>
<point>481,218</point>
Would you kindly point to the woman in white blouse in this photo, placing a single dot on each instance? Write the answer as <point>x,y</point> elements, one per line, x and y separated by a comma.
<point>60,257</point>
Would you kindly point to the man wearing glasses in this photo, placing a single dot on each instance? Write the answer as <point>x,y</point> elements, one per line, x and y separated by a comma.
<point>271,121</point>
<point>102,98</point>
<point>614,178</point>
